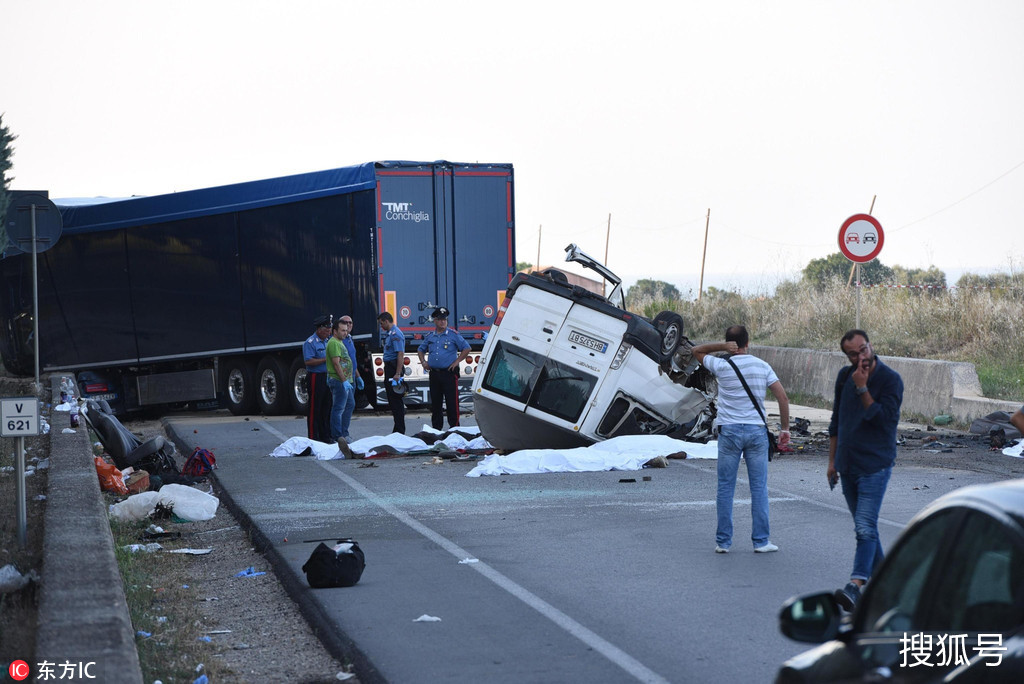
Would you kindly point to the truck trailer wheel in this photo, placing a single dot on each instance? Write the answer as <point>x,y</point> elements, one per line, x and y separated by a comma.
<point>670,325</point>
<point>239,382</point>
<point>298,393</point>
<point>272,387</point>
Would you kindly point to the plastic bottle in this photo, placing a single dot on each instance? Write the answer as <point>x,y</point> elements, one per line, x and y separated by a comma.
<point>67,389</point>
<point>74,415</point>
<point>943,419</point>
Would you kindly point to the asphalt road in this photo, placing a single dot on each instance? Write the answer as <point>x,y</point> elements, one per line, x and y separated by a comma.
<point>580,577</point>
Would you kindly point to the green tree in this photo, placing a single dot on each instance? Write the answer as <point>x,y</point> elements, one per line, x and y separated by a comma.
<point>1001,285</point>
<point>919,276</point>
<point>523,265</point>
<point>6,152</point>
<point>648,291</point>
<point>836,267</point>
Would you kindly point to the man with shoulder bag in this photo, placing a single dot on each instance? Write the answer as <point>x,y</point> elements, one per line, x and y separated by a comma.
<point>743,431</point>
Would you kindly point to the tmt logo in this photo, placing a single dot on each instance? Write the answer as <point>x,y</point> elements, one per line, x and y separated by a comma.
<point>402,211</point>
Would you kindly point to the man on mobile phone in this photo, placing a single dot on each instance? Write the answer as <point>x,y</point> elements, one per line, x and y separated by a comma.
<point>862,449</point>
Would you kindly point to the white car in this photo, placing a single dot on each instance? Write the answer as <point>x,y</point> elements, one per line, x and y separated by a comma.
<point>564,367</point>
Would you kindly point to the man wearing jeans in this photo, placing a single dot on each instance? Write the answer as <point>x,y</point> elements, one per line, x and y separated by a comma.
<point>339,374</point>
<point>862,449</point>
<point>742,432</point>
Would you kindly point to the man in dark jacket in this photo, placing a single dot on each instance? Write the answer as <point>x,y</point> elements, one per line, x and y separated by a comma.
<point>862,449</point>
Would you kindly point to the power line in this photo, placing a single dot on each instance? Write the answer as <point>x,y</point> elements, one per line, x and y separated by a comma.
<point>895,230</point>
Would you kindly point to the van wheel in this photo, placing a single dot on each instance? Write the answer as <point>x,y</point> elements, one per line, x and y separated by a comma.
<point>298,392</point>
<point>670,325</point>
<point>272,386</point>
<point>239,383</point>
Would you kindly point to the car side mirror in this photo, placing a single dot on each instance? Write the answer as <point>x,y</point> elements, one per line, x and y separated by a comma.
<point>810,618</point>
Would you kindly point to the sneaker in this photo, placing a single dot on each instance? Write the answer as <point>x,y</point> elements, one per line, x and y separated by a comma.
<point>721,549</point>
<point>848,596</point>
<point>767,548</point>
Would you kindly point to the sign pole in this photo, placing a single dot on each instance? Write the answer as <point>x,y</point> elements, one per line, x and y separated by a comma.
<point>35,298</point>
<point>20,488</point>
<point>870,210</point>
<point>858,296</point>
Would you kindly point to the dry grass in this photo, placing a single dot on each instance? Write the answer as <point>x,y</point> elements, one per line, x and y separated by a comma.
<point>978,326</point>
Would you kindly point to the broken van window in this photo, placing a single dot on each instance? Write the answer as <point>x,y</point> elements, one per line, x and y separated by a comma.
<point>544,384</point>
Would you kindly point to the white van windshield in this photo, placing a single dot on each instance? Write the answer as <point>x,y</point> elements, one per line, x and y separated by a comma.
<point>539,382</point>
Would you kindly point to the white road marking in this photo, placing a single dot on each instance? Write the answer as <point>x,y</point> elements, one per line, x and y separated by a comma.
<point>602,646</point>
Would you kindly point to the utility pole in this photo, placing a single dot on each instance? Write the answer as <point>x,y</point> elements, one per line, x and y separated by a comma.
<point>607,237</point>
<point>536,266</point>
<point>707,222</point>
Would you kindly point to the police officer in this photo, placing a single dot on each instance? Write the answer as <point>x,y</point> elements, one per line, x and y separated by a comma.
<point>314,351</point>
<point>441,352</point>
<point>393,345</point>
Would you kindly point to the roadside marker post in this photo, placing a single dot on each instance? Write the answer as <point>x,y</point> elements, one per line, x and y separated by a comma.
<point>19,417</point>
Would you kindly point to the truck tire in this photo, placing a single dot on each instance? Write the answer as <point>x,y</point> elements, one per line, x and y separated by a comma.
<point>670,325</point>
<point>272,387</point>
<point>239,383</point>
<point>298,393</point>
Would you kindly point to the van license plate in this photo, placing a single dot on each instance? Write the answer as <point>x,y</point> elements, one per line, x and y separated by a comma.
<point>588,342</point>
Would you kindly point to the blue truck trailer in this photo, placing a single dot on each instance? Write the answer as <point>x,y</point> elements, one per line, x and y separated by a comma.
<point>206,296</point>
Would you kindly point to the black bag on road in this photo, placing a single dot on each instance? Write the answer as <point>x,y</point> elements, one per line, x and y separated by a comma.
<point>340,566</point>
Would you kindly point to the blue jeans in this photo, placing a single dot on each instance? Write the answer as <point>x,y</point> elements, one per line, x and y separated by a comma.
<point>341,396</point>
<point>864,498</point>
<point>350,407</point>
<point>750,442</point>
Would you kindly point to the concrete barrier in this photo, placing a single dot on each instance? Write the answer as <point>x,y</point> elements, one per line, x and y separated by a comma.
<point>930,388</point>
<point>83,615</point>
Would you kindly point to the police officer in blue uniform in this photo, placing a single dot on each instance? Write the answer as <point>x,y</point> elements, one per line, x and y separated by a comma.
<point>440,353</point>
<point>314,352</point>
<point>393,345</point>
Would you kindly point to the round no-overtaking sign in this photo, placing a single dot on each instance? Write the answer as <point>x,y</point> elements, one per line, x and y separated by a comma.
<point>861,238</point>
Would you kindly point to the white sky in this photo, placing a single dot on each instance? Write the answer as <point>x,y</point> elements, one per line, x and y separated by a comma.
<point>784,118</point>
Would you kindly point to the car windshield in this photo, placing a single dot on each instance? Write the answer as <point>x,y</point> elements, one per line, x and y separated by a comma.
<point>538,382</point>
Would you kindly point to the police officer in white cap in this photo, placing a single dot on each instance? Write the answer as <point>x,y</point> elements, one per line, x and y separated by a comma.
<point>441,352</point>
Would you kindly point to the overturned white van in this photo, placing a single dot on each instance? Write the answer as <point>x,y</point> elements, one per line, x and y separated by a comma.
<point>565,367</point>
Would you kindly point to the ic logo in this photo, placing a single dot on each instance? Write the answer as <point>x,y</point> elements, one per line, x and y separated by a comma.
<point>19,670</point>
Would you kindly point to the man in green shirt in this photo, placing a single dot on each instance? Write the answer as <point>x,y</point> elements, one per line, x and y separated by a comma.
<point>339,380</point>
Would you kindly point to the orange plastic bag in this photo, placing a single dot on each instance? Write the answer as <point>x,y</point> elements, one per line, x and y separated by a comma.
<point>110,477</point>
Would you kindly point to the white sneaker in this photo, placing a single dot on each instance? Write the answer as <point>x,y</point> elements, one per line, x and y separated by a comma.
<point>721,549</point>
<point>767,548</point>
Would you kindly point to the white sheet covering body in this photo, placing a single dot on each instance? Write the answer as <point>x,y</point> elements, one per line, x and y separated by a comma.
<point>629,452</point>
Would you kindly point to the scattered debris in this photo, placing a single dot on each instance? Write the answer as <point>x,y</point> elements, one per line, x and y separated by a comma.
<point>11,580</point>
<point>249,572</point>
<point>143,548</point>
<point>427,618</point>
<point>466,561</point>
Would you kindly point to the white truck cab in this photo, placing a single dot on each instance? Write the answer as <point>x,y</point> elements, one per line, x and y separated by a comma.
<point>564,367</point>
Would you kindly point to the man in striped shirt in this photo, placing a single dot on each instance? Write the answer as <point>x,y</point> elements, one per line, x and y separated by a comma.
<point>742,432</point>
